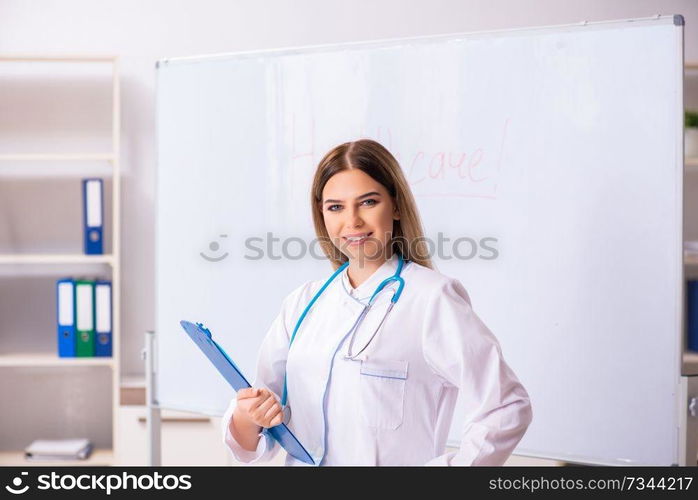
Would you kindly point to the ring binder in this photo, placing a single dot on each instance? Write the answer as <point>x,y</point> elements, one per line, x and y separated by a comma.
<point>93,209</point>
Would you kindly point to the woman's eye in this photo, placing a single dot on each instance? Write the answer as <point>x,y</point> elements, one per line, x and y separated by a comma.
<point>370,202</point>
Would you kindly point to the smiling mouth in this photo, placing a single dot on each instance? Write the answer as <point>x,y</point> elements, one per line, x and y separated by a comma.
<point>351,241</point>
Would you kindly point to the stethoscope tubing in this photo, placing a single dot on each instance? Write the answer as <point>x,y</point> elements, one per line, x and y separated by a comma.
<point>396,296</point>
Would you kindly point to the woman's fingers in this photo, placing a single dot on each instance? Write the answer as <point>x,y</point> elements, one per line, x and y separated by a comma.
<point>273,416</point>
<point>262,406</point>
<point>257,397</point>
<point>262,409</point>
<point>248,392</point>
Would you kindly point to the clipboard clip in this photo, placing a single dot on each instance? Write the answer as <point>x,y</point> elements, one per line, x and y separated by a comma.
<point>204,329</point>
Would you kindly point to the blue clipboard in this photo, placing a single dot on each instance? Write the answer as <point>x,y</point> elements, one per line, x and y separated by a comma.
<point>226,367</point>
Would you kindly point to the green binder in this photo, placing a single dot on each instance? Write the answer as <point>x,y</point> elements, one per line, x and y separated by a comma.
<point>85,317</point>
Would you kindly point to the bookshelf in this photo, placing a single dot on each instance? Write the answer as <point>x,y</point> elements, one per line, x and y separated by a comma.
<point>36,359</point>
<point>56,259</point>
<point>58,157</point>
<point>24,358</point>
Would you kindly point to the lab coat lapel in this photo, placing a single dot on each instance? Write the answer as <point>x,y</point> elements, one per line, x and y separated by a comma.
<point>322,333</point>
<point>310,362</point>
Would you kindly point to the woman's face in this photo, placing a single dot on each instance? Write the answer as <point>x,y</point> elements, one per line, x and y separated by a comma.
<point>359,215</point>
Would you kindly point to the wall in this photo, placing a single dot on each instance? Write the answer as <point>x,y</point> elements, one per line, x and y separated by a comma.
<point>143,32</point>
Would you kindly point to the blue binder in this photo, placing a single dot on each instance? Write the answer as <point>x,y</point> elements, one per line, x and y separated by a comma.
<point>226,367</point>
<point>93,215</point>
<point>103,318</point>
<point>65,317</point>
<point>692,316</point>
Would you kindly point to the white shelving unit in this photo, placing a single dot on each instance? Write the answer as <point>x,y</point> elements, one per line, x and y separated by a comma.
<point>80,164</point>
<point>56,259</point>
<point>58,157</point>
<point>49,359</point>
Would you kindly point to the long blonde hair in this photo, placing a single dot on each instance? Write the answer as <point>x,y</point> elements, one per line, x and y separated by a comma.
<point>375,160</point>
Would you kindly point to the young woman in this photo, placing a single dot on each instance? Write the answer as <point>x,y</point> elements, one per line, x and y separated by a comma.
<point>378,385</point>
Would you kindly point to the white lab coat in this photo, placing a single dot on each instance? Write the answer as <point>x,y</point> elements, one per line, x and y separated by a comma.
<point>395,406</point>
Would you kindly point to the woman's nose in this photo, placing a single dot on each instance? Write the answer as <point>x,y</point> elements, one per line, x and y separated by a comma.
<point>353,218</point>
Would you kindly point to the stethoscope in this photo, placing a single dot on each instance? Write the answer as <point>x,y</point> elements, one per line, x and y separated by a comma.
<point>349,356</point>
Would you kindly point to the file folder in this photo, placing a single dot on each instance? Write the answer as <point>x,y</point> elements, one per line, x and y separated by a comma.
<point>103,319</point>
<point>58,449</point>
<point>84,318</point>
<point>65,317</point>
<point>232,374</point>
<point>93,211</point>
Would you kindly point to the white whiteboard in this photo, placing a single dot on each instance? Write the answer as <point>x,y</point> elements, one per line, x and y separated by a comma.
<point>564,144</point>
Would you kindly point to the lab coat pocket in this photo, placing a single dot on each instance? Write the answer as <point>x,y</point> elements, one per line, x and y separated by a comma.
<point>383,392</point>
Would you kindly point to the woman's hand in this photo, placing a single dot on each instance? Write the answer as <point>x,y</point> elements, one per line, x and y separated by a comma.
<point>259,406</point>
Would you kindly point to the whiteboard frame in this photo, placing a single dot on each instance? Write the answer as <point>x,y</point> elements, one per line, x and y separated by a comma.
<point>676,19</point>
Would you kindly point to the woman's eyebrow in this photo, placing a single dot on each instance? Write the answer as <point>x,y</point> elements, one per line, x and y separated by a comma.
<point>372,193</point>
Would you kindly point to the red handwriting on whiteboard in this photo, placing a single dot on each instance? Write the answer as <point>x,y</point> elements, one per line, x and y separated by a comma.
<point>473,174</point>
<point>465,174</point>
<point>443,166</point>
